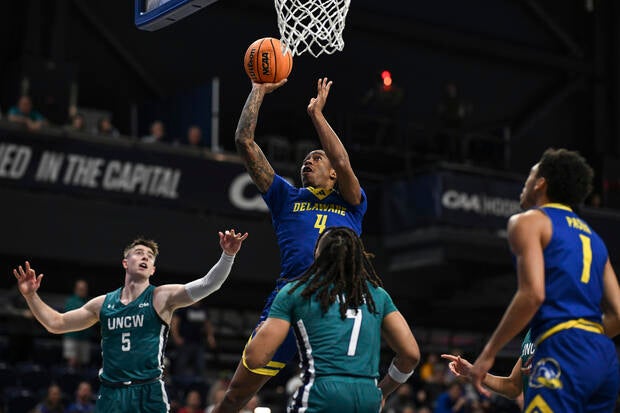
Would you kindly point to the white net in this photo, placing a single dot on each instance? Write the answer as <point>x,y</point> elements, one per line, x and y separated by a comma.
<point>313,26</point>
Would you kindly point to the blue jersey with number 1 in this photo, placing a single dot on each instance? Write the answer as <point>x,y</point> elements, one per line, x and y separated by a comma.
<point>574,262</point>
<point>575,367</point>
<point>300,215</point>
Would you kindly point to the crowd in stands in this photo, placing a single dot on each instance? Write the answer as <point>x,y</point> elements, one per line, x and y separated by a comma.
<point>25,114</point>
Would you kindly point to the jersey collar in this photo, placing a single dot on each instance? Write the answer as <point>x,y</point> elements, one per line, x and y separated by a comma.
<point>558,206</point>
<point>320,193</point>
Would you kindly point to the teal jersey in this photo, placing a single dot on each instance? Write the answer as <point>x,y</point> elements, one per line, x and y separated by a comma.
<point>329,345</point>
<point>527,353</point>
<point>133,338</point>
<point>574,262</point>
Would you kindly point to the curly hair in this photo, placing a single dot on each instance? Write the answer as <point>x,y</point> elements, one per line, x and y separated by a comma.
<point>568,176</point>
<point>149,243</point>
<point>341,271</point>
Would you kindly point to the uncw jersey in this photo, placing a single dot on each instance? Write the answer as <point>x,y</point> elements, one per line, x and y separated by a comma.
<point>574,262</point>
<point>329,345</point>
<point>299,215</point>
<point>133,338</point>
<point>528,348</point>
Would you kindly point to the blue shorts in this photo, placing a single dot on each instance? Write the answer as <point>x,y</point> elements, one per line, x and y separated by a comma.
<point>574,371</point>
<point>285,352</point>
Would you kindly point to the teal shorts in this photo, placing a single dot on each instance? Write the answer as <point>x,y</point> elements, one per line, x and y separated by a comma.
<point>139,398</point>
<point>337,394</point>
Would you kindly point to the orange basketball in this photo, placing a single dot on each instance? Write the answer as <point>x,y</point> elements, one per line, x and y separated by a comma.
<point>265,63</point>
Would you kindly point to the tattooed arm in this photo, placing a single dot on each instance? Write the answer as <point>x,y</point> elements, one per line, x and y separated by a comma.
<point>256,163</point>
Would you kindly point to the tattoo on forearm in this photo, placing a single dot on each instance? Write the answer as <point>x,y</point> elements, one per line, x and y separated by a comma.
<point>255,161</point>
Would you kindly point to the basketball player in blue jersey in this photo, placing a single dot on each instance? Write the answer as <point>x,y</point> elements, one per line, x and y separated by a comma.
<point>331,196</point>
<point>134,320</point>
<point>339,311</point>
<point>564,280</point>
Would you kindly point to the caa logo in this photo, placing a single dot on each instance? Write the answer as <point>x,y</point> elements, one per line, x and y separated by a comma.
<point>142,305</point>
<point>239,198</point>
<point>480,204</point>
<point>546,373</point>
<point>452,199</point>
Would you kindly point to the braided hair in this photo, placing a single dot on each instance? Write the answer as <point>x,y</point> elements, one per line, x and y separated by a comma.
<point>341,271</point>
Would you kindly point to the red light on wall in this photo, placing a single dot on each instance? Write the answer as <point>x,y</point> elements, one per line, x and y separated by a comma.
<point>387,79</point>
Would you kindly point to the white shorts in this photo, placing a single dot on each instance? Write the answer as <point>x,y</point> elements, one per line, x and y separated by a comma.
<point>76,349</point>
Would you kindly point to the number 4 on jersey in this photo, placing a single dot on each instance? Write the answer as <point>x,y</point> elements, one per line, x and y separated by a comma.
<point>321,221</point>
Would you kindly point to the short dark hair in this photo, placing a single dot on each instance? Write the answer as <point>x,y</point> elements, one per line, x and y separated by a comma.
<point>568,175</point>
<point>149,243</point>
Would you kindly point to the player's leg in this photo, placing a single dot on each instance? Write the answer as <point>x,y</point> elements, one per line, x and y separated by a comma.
<point>242,387</point>
<point>606,376</point>
<point>246,383</point>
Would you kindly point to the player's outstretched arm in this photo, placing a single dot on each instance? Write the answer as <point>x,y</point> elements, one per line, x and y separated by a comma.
<point>270,336</point>
<point>611,301</point>
<point>509,387</point>
<point>525,232</point>
<point>29,282</point>
<point>255,161</point>
<point>169,297</point>
<point>348,183</point>
<point>399,337</point>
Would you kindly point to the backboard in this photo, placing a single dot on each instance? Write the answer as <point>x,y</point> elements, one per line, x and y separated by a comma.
<point>154,14</point>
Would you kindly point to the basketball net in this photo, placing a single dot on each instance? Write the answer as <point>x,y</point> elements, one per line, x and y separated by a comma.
<point>313,26</point>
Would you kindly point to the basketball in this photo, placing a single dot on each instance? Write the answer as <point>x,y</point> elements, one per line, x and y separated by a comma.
<point>265,63</point>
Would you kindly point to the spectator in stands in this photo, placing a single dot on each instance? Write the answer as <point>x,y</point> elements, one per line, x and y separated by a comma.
<point>193,403</point>
<point>23,113</point>
<point>409,408</point>
<point>83,399</point>
<point>52,403</point>
<point>77,124</point>
<point>452,400</point>
<point>421,399</point>
<point>76,344</point>
<point>194,136</point>
<point>192,333</point>
<point>426,371</point>
<point>216,394</point>
<point>105,128</point>
<point>399,399</point>
<point>453,112</point>
<point>157,133</point>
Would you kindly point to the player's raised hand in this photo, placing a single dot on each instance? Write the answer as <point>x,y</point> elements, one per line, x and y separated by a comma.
<point>318,103</point>
<point>230,241</point>
<point>268,87</point>
<point>28,281</point>
<point>458,366</point>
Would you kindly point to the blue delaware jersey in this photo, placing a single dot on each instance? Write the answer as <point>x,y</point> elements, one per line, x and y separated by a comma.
<point>574,262</point>
<point>299,215</point>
